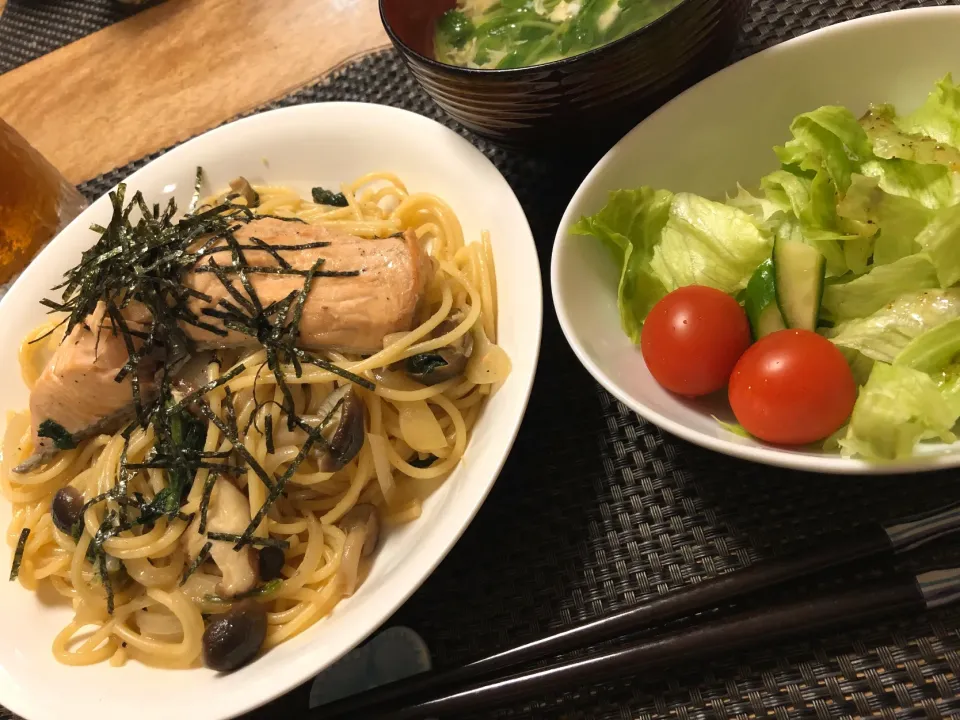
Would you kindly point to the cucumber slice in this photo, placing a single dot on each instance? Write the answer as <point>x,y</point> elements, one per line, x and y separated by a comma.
<point>760,302</point>
<point>799,270</point>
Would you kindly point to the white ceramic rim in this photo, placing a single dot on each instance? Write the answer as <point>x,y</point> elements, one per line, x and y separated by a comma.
<point>795,460</point>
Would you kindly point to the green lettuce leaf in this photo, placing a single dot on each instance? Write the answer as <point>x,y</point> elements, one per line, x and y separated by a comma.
<point>665,241</point>
<point>831,139</point>
<point>890,141</point>
<point>898,219</point>
<point>630,226</point>
<point>935,186</point>
<point>933,350</point>
<point>884,334</point>
<point>937,352</point>
<point>948,381</point>
<point>941,241</point>
<point>708,243</point>
<point>812,200</point>
<point>939,116</point>
<point>898,407</point>
<point>761,209</point>
<point>865,295</point>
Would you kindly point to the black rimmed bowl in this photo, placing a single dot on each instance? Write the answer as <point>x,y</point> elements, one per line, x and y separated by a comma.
<point>589,97</point>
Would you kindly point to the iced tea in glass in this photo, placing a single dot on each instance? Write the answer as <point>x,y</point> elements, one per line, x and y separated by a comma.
<point>36,202</point>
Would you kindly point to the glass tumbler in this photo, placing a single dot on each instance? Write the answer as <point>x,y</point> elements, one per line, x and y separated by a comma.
<point>36,202</point>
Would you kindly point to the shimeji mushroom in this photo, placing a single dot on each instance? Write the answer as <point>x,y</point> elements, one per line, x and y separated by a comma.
<point>229,513</point>
<point>344,429</point>
<point>66,508</point>
<point>234,638</point>
<point>242,188</point>
<point>362,527</point>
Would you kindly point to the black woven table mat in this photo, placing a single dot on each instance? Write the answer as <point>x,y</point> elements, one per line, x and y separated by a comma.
<point>31,28</point>
<point>597,510</point>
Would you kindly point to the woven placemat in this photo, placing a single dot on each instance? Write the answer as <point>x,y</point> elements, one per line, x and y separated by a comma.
<point>597,510</point>
<point>31,28</point>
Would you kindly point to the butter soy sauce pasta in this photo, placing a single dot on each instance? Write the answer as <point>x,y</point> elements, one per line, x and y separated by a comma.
<point>163,577</point>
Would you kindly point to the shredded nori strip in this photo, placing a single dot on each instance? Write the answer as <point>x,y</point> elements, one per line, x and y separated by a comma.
<point>230,411</point>
<point>197,562</point>
<point>62,439</point>
<point>254,541</point>
<point>306,357</point>
<point>205,501</point>
<point>261,245</point>
<point>294,327</point>
<point>18,553</point>
<point>268,434</point>
<point>284,218</point>
<point>197,183</point>
<point>322,196</point>
<point>269,270</point>
<point>288,403</point>
<point>105,579</point>
<point>272,248</point>
<point>78,528</point>
<point>123,479</point>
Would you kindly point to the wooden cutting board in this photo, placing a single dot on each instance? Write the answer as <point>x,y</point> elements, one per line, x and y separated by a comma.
<point>175,70</point>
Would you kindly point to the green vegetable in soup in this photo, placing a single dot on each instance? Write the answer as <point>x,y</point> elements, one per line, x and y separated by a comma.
<point>499,34</point>
<point>455,28</point>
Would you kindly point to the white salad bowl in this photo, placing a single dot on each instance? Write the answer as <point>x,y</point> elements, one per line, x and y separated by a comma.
<point>304,146</point>
<point>705,141</point>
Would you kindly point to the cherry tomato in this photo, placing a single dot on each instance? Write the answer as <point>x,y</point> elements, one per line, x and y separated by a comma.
<point>792,387</point>
<point>692,339</point>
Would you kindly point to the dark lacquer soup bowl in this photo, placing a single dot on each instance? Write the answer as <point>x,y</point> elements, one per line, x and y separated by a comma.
<point>585,97</point>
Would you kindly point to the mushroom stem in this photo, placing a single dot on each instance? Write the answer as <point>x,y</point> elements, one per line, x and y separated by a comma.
<point>362,527</point>
<point>228,512</point>
<point>244,189</point>
<point>350,560</point>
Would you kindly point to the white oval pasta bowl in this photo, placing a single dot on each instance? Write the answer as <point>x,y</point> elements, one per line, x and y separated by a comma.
<point>301,147</point>
<point>705,141</point>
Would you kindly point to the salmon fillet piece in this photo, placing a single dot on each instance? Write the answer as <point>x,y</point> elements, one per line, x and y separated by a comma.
<point>77,388</point>
<point>352,314</point>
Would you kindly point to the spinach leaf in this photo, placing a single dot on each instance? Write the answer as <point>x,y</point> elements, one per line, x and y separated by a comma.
<point>454,29</point>
<point>62,439</point>
<point>424,363</point>
<point>322,196</point>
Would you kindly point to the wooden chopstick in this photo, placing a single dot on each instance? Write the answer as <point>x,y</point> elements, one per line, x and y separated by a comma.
<point>868,541</point>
